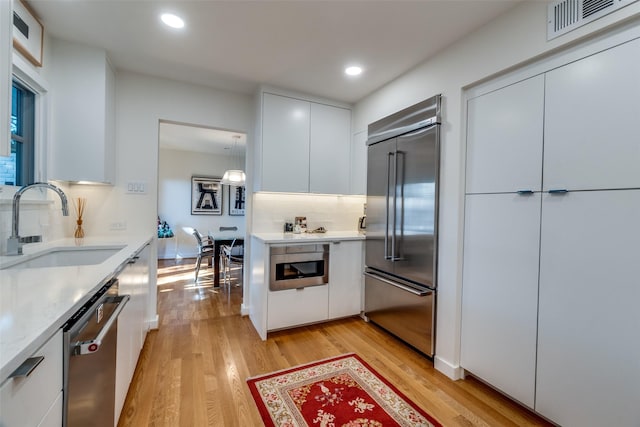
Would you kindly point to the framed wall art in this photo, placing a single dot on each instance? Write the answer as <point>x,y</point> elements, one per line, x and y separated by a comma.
<point>236,200</point>
<point>28,32</point>
<point>206,196</point>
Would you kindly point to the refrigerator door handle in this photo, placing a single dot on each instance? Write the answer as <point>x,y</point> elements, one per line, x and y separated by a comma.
<point>395,189</point>
<point>417,292</point>
<point>386,229</point>
<point>394,238</point>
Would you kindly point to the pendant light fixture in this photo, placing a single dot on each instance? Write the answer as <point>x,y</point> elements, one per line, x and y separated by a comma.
<point>235,177</point>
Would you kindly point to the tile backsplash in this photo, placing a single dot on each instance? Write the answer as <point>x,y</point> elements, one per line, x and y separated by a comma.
<point>333,212</point>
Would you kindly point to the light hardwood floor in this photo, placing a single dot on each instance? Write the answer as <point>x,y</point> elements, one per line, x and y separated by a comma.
<point>193,369</point>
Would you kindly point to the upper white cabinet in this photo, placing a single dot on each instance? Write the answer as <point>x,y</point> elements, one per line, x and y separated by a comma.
<point>504,134</point>
<point>592,109</point>
<point>83,114</point>
<point>285,144</point>
<point>305,146</point>
<point>329,148</point>
<point>359,154</point>
<point>6,38</point>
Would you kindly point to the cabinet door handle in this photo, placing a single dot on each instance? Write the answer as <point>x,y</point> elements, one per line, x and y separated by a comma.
<point>27,367</point>
<point>558,191</point>
<point>525,192</point>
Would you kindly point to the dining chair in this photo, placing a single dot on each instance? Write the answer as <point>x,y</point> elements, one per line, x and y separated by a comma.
<point>205,249</point>
<point>232,256</point>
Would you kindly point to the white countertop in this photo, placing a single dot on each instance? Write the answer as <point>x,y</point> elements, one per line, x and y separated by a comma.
<point>309,237</point>
<point>35,302</point>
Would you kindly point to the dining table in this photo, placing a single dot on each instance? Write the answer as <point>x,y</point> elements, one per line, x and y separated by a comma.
<point>218,242</point>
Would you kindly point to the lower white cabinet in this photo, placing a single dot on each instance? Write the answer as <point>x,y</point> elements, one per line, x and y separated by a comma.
<point>132,326</point>
<point>500,291</point>
<point>345,278</point>
<point>35,399</point>
<point>341,297</point>
<point>297,306</point>
<point>54,415</point>
<point>588,371</point>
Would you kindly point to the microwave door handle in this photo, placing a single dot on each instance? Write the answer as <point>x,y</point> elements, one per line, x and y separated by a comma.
<point>386,228</point>
<point>93,345</point>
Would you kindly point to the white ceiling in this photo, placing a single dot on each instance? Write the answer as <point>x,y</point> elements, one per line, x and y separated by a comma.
<point>185,137</point>
<point>300,45</point>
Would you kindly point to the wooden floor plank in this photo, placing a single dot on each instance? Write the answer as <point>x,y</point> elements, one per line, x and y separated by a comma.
<point>192,371</point>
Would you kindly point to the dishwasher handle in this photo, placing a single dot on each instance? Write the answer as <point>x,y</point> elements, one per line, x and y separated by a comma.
<point>93,345</point>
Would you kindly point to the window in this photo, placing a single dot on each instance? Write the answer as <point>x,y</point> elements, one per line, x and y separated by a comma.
<point>18,168</point>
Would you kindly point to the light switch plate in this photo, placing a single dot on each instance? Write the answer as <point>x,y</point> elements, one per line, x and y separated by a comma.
<point>136,187</point>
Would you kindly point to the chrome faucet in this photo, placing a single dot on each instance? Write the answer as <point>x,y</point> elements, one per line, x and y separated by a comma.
<point>15,242</point>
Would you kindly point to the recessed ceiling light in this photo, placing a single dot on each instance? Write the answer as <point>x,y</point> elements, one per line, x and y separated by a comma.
<point>172,20</point>
<point>353,71</point>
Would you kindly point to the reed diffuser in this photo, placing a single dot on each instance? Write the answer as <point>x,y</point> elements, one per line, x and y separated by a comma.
<point>79,204</point>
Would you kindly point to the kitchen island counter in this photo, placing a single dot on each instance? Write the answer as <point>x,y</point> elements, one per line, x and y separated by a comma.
<point>329,236</point>
<point>35,302</point>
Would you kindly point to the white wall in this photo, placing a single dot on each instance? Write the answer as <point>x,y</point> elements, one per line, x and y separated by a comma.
<point>174,198</point>
<point>512,40</point>
<point>141,102</point>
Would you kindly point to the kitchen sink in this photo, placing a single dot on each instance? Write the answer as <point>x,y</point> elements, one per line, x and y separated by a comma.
<point>63,257</point>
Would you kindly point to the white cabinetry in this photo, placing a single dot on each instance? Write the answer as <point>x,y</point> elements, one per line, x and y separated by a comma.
<point>305,146</point>
<point>285,144</point>
<point>329,149</point>
<point>579,272</point>
<point>588,350</point>
<point>36,399</point>
<point>359,153</point>
<point>132,326</point>
<point>6,27</point>
<point>502,233</point>
<point>500,291</point>
<point>294,307</point>
<point>83,114</point>
<point>504,148</point>
<point>592,110</point>
<point>345,278</point>
<point>342,297</point>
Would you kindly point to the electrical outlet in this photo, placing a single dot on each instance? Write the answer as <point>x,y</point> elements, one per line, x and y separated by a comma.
<point>118,226</point>
<point>136,187</point>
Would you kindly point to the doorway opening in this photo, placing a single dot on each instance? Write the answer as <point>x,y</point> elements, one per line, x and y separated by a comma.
<point>192,160</point>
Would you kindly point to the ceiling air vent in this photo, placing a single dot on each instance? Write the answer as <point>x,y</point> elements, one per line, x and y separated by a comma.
<point>566,15</point>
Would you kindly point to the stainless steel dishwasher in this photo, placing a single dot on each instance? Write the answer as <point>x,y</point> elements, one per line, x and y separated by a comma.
<point>90,339</point>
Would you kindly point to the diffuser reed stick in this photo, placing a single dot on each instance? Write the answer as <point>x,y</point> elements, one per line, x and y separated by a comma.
<point>79,204</point>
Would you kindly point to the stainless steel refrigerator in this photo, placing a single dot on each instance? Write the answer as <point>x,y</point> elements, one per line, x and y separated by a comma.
<point>402,223</point>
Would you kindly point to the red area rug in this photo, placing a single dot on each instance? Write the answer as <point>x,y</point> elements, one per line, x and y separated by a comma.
<point>338,392</point>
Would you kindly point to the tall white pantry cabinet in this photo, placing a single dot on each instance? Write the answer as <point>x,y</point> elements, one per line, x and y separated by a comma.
<point>551,275</point>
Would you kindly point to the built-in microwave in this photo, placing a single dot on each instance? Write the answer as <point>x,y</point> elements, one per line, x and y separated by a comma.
<point>298,266</point>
